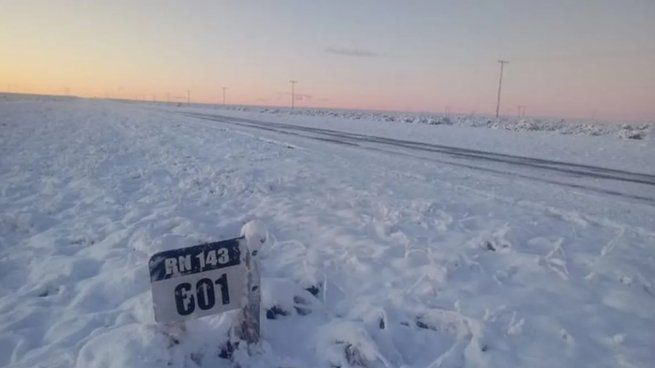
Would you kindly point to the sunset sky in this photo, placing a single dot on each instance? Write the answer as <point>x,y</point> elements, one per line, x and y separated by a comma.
<point>576,59</point>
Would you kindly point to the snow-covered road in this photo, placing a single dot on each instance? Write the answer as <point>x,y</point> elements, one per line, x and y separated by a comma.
<point>386,249</point>
<point>468,158</point>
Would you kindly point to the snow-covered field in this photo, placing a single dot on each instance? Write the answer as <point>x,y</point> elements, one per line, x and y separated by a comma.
<point>390,244</point>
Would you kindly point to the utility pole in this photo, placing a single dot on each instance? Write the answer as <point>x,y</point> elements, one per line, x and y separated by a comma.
<point>188,97</point>
<point>500,84</point>
<point>168,97</point>
<point>293,96</point>
<point>447,110</point>
<point>521,110</point>
<point>224,89</point>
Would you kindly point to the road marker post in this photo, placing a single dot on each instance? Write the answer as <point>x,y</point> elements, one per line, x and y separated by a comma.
<point>212,278</point>
<point>255,236</point>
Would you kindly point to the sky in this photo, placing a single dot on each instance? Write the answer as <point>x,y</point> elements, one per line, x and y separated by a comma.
<point>570,59</point>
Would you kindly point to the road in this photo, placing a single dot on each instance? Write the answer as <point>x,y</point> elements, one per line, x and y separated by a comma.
<point>633,186</point>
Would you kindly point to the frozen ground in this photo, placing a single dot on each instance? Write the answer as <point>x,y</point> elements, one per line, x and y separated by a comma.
<point>425,246</point>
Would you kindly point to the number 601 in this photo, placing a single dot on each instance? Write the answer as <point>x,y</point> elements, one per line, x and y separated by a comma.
<point>203,295</point>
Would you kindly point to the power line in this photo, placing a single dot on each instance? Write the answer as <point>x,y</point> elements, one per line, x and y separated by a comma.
<point>500,84</point>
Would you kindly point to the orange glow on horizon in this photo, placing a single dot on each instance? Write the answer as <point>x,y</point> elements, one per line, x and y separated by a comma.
<point>149,50</point>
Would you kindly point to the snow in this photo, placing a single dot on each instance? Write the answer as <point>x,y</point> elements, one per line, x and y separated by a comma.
<point>375,255</point>
<point>255,233</point>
